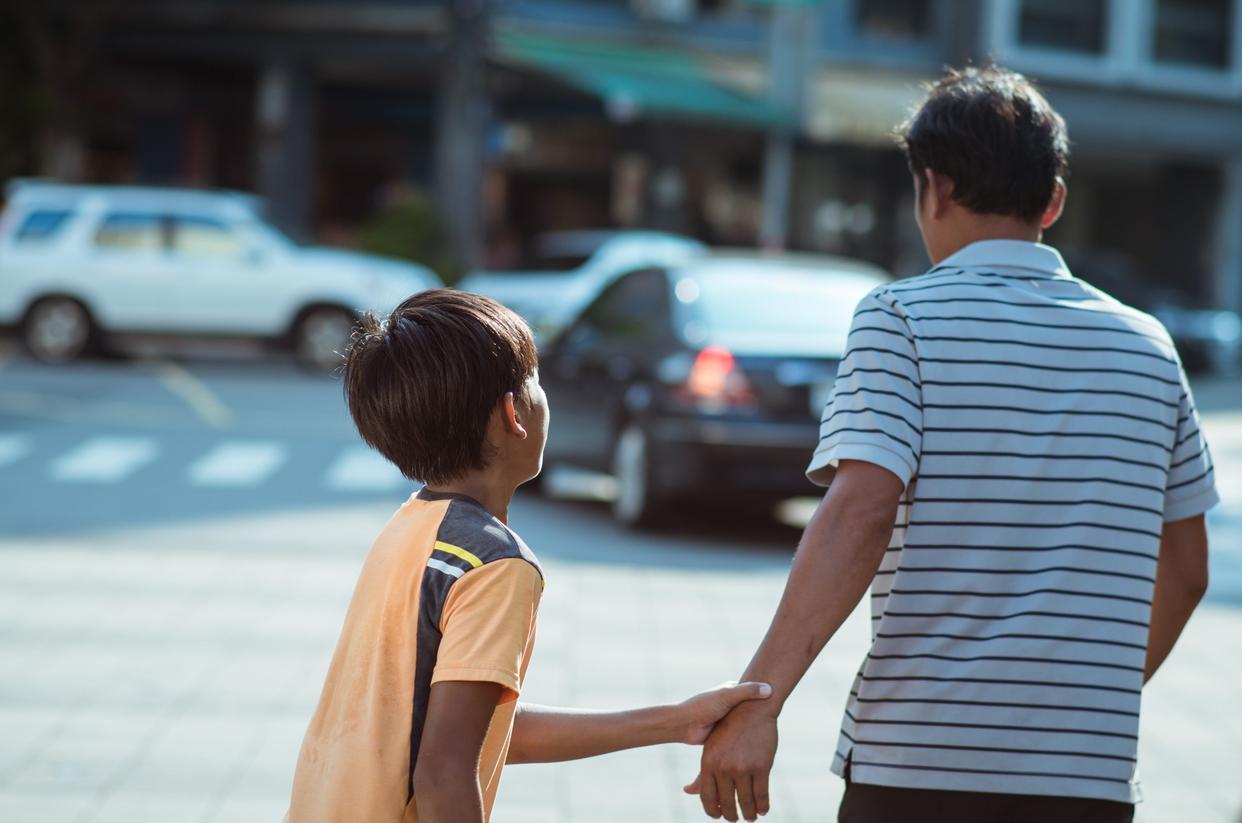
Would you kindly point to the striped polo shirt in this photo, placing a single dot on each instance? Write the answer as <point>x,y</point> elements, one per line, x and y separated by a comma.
<point>1045,432</point>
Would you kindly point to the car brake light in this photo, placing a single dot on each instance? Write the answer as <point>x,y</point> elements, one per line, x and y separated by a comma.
<point>715,383</point>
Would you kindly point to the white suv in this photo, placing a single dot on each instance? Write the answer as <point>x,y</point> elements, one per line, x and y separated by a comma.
<point>81,266</point>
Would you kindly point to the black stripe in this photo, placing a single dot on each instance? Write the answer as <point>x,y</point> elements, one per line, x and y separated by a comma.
<point>905,377</point>
<point>1007,658</point>
<point>1054,753</point>
<point>1014,636</point>
<point>1179,443</point>
<point>1018,432</point>
<point>982,524</point>
<point>1042,479</point>
<point>902,335</point>
<point>1078,776</point>
<point>1210,469</point>
<point>1045,390</point>
<point>1078,569</point>
<point>898,417</point>
<point>919,288</point>
<point>865,390</point>
<point>954,546</point>
<point>881,432</point>
<point>1193,457</point>
<point>1011,501</point>
<point>1045,367</point>
<point>881,311</point>
<point>1058,326</point>
<point>1163,358</point>
<point>984,300</point>
<point>1128,462</point>
<point>1064,412</point>
<point>986,680</point>
<point>995,726</point>
<point>1017,595</point>
<point>1062,615</point>
<point>887,352</point>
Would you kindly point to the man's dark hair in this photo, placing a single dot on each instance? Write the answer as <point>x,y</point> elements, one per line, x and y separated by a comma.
<point>422,384</point>
<point>992,133</point>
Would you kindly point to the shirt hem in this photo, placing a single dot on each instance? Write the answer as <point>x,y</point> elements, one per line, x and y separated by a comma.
<point>872,453</point>
<point>1191,506</point>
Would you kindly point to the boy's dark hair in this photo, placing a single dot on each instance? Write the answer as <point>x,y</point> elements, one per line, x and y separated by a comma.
<point>422,384</point>
<point>992,133</point>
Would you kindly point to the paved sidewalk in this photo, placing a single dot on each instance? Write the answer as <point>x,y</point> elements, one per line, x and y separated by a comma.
<point>168,674</point>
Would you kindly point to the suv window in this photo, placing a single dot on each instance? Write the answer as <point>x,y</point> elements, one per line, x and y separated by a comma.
<point>130,230</point>
<point>204,236</point>
<point>41,224</point>
<point>635,309</point>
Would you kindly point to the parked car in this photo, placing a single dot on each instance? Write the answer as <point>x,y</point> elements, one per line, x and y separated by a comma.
<point>1207,339</point>
<point>703,379</point>
<point>82,266</point>
<point>568,268</point>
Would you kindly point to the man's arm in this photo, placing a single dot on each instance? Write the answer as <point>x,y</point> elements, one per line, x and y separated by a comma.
<point>446,777</point>
<point>835,563</point>
<point>546,734</point>
<point>1181,580</point>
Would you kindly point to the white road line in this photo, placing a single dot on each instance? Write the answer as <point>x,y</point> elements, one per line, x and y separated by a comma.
<point>13,447</point>
<point>104,459</point>
<point>194,392</point>
<point>362,469</point>
<point>238,463</point>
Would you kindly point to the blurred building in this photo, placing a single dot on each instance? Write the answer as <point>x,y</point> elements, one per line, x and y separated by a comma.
<point>655,113</point>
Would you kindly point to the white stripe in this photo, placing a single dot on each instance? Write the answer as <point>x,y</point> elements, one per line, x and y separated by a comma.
<point>237,463</point>
<point>104,459</point>
<point>363,469</point>
<point>13,447</point>
<point>440,566</point>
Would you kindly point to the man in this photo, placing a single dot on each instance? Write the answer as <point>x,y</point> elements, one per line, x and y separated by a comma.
<point>1036,445</point>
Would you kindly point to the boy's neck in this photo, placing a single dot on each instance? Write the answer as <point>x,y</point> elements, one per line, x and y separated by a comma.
<point>492,493</point>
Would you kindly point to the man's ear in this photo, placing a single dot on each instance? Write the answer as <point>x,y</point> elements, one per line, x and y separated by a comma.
<point>939,192</point>
<point>1055,206</point>
<point>511,418</point>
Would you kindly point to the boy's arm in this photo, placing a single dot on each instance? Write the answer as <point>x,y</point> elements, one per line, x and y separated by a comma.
<point>446,777</point>
<point>545,734</point>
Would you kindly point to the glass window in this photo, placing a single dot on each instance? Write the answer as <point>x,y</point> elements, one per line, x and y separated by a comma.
<point>131,230</point>
<point>41,224</point>
<point>202,235</point>
<point>635,309</point>
<point>1067,25</point>
<point>892,19</point>
<point>1194,32</point>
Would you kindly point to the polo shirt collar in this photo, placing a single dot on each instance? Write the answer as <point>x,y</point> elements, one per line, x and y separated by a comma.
<point>1035,258</point>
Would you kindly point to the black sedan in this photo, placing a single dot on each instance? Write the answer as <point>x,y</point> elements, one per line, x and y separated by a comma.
<point>704,381</point>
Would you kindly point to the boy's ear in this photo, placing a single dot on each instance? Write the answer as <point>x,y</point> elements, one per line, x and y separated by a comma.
<point>511,418</point>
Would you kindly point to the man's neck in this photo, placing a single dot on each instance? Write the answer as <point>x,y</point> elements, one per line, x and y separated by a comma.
<point>993,227</point>
<point>492,492</point>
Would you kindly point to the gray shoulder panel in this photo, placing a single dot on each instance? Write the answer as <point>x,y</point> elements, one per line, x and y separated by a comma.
<point>470,527</point>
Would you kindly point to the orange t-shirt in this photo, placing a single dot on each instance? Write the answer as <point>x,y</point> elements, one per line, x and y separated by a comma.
<point>448,592</point>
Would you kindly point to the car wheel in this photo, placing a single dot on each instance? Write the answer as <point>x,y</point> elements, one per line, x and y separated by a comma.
<point>57,330</point>
<point>636,502</point>
<point>321,338</point>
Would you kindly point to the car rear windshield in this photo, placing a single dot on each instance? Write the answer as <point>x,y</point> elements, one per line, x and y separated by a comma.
<point>41,224</point>
<point>764,308</point>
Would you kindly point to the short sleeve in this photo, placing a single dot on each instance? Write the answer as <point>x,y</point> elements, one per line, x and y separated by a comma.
<point>488,623</point>
<point>875,412</point>
<point>1190,488</point>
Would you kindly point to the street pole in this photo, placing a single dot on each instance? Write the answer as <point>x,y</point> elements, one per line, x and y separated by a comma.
<point>461,127</point>
<point>787,71</point>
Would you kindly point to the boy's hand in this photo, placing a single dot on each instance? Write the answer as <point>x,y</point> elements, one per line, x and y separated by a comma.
<point>703,711</point>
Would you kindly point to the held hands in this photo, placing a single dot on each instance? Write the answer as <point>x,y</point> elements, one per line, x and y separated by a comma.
<point>702,712</point>
<point>737,759</point>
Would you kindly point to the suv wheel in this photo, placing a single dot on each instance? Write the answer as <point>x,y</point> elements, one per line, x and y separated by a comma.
<point>57,330</point>
<point>321,338</point>
<point>635,503</point>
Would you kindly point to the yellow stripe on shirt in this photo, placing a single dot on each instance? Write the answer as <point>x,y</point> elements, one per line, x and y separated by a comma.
<point>458,551</point>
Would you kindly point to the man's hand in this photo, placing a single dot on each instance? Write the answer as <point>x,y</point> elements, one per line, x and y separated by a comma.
<point>703,711</point>
<point>737,759</point>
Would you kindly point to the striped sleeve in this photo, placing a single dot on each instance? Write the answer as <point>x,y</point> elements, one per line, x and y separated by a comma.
<point>875,412</point>
<point>1190,488</point>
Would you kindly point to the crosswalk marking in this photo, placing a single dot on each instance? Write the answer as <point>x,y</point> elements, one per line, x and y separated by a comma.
<point>104,459</point>
<point>238,463</point>
<point>13,447</point>
<point>362,469</point>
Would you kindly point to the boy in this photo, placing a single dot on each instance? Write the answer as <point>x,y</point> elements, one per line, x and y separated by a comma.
<point>419,711</point>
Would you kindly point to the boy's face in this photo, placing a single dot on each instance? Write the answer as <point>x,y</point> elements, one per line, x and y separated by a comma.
<point>535,421</point>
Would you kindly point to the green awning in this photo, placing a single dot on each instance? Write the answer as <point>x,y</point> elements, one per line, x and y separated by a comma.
<point>637,81</point>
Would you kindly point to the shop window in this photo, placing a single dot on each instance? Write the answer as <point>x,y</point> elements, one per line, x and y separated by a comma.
<point>1078,26</point>
<point>1193,32</point>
